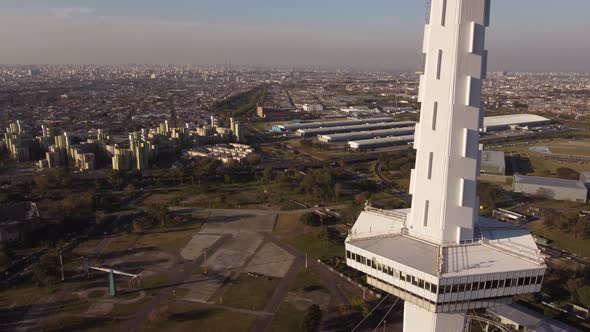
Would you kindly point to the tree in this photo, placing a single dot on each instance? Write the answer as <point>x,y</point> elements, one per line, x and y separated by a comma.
<point>312,319</point>
<point>581,228</point>
<point>584,296</point>
<point>567,173</point>
<point>46,271</point>
<point>361,306</point>
<point>489,194</point>
<point>158,212</point>
<point>338,190</point>
<point>267,176</point>
<point>116,178</point>
<point>254,159</point>
<point>138,224</point>
<point>551,218</point>
<point>5,256</point>
<point>310,219</point>
<point>572,286</point>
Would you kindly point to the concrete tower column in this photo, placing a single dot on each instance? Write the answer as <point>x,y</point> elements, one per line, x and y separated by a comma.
<point>419,319</point>
<point>443,184</point>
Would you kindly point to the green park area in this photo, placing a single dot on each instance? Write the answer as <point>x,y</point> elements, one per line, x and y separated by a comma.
<point>184,316</point>
<point>250,292</point>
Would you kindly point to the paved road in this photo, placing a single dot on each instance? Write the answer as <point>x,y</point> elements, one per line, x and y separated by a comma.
<point>263,322</point>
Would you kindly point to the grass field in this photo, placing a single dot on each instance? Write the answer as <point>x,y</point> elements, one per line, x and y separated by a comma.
<point>120,243</point>
<point>544,165</point>
<point>125,309</point>
<point>287,319</point>
<point>21,297</point>
<point>185,317</point>
<point>306,279</point>
<point>561,240</point>
<point>79,323</point>
<point>289,224</point>
<point>171,241</point>
<point>316,247</point>
<point>250,292</point>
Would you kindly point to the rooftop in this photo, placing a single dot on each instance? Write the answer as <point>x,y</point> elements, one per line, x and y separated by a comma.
<point>373,133</point>
<point>513,119</point>
<point>492,157</point>
<point>531,320</point>
<point>503,247</point>
<point>354,128</point>
<point>393,139</point>
<point>549,182</point>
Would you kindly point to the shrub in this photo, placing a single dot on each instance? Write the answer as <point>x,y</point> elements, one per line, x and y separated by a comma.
<point>312,319</point>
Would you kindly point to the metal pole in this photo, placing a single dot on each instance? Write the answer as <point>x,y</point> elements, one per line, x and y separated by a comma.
<point>61,262</point>
<point>306,261</point>
<point>206,261</point>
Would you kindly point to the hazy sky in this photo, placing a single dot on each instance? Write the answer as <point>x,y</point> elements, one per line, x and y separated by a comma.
<point>537,35</point>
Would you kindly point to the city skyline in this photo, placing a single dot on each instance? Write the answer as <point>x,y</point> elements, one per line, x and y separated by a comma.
<point>372,35</point>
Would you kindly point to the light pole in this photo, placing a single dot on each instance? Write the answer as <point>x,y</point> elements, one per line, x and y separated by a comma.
<point>61,262</point>
<point>205,266</point>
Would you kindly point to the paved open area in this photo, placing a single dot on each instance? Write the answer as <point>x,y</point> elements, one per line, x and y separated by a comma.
<point>195,247</point>
<point>270,261</point>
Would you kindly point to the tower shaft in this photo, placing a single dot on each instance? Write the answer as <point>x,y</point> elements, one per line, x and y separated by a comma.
<point>443,184</point>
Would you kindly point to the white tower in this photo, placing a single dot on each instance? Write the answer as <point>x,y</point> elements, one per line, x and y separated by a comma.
<point>440,256</point>
<point>447,141</point>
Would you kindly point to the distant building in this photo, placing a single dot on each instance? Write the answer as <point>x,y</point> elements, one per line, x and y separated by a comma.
<point>312,107</point>
<point>223,152</point>
<point>17,219</point>
<point>260,111</point>
<point>122,159</point>
<point>18,142</point>
<point>558,189</point>
<point>523,319</point>
<point>236,129</point>
<point>493,162</point>
<point>375,143</point>
<point>504,122</point>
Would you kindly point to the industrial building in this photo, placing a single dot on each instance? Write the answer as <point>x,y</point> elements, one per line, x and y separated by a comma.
<point>440,256</point>
<point>368,144</point>
<point>313,132</point>
<point>289,127</point>
<point>346,137</point>
<point>558,189</point>
<point>493,162</point>
<point>524,319</point>
<point>513,121</point>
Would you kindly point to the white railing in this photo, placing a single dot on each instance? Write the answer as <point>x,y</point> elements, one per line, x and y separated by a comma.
<point>525,253</point>
<point>353,235</point>
<point>387,213</point>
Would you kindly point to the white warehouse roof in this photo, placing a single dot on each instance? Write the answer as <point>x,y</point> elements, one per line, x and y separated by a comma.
<point>514,119</point>
<point>367,134</point>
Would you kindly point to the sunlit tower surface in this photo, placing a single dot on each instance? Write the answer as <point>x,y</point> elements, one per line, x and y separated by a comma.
<point>441,257</point>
